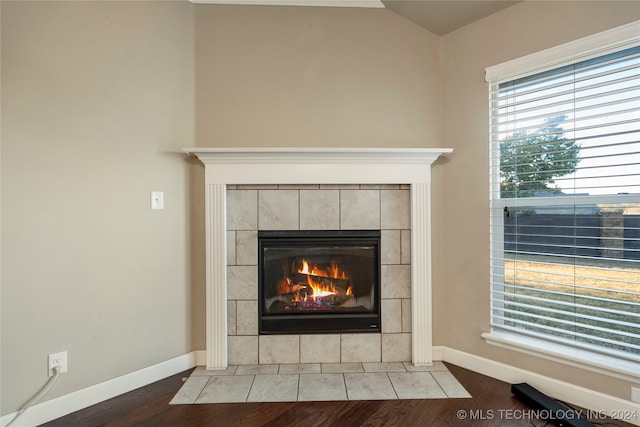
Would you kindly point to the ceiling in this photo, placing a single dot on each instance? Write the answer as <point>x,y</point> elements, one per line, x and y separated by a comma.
<point>438,16</point>
<point>441,16</point>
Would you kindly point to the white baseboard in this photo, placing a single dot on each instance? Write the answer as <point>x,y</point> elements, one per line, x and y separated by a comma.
<point>598,403</point>
<point>201,357</point>
<point>63,405</point>
<point>437,353</point>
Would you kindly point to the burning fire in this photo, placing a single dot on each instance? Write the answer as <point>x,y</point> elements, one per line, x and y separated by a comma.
<point>321,288</point>
<point>333,271</point>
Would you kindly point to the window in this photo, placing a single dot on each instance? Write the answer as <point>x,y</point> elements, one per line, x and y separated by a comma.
<point>565,198</point>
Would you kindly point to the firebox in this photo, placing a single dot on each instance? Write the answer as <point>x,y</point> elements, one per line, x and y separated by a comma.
<point>319,281</point>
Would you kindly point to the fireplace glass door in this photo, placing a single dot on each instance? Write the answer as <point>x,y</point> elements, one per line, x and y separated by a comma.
<point>319,281</point>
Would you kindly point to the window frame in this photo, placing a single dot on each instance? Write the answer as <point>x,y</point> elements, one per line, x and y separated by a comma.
<point>592,46</point>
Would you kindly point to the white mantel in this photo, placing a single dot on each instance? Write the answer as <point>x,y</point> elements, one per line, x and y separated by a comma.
<point>280,165</point>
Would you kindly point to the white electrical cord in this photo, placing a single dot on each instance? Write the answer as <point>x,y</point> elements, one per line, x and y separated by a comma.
<point>38,396</point>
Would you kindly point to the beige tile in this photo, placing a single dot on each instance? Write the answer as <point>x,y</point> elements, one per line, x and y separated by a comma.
<point>391,310</point>
<point>384,367</point>
<point>247,248</point>
<point>396,281</point>
<point>319,348</point>
<point>321,387</point>
<point>406,315</point>
<point>338,381</point>
<point>257,186</point>
<point>231,318</point>
<point>340,368</point>
<point>242,350</point>
<point>242,282</point>
<point>231,248</point>
<point>190,390</point>
<point>369,386</point>
<point>257,370</point>
<point>247,317</point>
<point>416,385</point>
<point>242,209</point>
<point>203,371</point>
<point>405,246</point>
<point>339,186</point>
<point>279,349</point>
<point>437,366</point>
<point>319,209</point>
<point>360,348</point>
<point>390,246</point>
<point>395,209</point>
<point>380,186</point>
<point>274,388</point>
<point>396,347</point>
<point>278,210</point>
<point>450,384</point>
<point>226,389</point>
<point>359,209</point>
<point>300,368</point>
<point>298,186</point>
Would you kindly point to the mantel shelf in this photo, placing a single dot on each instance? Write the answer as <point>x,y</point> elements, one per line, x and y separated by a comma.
<point>317,165</point>
<point>312,155</point>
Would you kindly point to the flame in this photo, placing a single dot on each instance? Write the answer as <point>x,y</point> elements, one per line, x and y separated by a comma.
<point>319,289</point>
<point>305,267</point>
<point>286,286</point>
<point>333,271</point>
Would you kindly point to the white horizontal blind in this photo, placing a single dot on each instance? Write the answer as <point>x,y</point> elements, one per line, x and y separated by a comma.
<point>565,202</point>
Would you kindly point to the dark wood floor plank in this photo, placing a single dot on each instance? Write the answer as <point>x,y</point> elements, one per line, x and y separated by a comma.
<point>149,406</point>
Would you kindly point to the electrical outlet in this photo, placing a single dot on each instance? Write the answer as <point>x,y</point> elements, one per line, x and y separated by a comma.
<point>57,359</point>
<point>635,394</point>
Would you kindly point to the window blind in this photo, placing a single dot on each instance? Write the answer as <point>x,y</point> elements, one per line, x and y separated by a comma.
<point>565,202</point>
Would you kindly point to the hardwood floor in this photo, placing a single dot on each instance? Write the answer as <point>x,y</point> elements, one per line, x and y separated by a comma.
<point>492,405</point>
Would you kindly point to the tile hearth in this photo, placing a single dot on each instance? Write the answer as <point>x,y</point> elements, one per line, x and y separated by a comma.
<point>319,382</point>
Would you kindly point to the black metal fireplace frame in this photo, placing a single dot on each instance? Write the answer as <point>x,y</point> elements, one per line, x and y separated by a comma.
<point>319,323</point>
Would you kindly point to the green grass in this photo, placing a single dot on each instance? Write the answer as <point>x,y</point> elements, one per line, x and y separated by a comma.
<point>531,277</point>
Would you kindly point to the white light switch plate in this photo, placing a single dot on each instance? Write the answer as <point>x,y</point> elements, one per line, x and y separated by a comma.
<point>157,200</point>
<point>635,394</point>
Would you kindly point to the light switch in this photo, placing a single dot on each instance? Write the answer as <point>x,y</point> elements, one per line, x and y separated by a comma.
<point>157,200</point>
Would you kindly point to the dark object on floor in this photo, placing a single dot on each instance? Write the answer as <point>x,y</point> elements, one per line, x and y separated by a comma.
<point>552,410</point>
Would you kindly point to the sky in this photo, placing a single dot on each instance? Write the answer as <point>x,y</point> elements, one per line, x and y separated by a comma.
<point>602,108</point>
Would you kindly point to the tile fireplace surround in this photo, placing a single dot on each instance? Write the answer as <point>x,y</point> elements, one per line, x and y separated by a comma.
<point>387,180</point>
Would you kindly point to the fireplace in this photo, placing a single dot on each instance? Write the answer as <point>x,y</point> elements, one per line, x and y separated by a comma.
<point>227,167</point>
<point>319,281</point>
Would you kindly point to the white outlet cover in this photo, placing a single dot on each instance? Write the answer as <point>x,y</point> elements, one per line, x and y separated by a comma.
<point>635,394</point>
<point>57,359</point>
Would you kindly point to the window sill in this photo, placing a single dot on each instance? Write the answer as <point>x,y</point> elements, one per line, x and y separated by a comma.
<point>606,365</point>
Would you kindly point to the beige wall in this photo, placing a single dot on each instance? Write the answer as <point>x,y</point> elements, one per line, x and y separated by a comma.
<point>97,98</point>
<point>523,29</point>
<point>315,77</point>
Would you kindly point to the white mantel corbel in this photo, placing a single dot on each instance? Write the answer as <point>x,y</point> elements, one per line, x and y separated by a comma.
<point>281,165</point>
